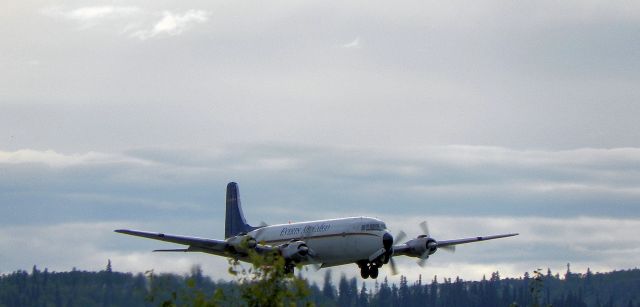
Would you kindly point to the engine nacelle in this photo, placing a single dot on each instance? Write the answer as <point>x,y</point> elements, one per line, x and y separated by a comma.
<point>295,251</point>
<point>421,245</point>
<point>242,243</point>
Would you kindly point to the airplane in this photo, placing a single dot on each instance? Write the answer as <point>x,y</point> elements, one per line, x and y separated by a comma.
<point>364,241</point>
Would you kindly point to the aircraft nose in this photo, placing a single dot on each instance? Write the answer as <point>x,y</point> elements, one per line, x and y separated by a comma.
<point>387,240</point>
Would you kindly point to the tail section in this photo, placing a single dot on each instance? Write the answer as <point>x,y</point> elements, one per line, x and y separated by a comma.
<point>234,222</point>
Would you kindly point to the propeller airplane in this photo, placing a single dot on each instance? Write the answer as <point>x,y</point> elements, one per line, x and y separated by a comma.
<point>364,241</point>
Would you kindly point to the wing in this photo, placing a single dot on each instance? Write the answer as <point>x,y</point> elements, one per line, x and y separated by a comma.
<point>217,247</point>
<point>444,243</point>
<point>408,249</point>
<point>210,246</point>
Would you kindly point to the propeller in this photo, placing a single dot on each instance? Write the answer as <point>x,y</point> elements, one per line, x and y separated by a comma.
<point>392,263</point>
<point>388,242</point>
<point>448,248</point>
<point>400,236</point>
<point>425,232</point>
<point>258,235</point>
<point>311,254</point>
<point>425,228</point>
<point>423,259</point>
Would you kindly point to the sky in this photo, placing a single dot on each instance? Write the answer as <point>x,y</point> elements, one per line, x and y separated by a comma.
<point>478,117</point>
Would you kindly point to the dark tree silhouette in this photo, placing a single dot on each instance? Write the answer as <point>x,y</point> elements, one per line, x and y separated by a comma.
<point>112,288</point>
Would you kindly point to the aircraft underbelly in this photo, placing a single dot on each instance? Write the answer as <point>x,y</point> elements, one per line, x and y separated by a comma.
<point>344,249</point>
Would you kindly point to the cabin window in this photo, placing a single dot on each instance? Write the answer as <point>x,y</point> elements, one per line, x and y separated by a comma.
<point>376,226</point>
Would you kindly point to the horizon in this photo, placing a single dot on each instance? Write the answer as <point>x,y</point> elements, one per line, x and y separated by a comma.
<point>335,278</point>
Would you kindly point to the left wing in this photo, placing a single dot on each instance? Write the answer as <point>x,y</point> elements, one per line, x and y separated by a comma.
<point>195,244</point>
<point>444,243</point>
<point>231,247</point>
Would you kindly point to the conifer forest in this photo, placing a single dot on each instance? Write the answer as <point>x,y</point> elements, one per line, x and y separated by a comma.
<point>110,288</point>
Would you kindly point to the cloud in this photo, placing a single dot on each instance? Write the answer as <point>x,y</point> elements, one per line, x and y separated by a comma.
<point>55,159</point>
<point>87,246</point>
<point>313,182</point>
<point>463,191</point>
<point>355,44</point>
<point>543,242</point>
<point>531,79</point>
<point>173,24</point>
<point>132,21</point>
<point>91,16</point>
<point>431,73</point>
<point>97,12</point>
<point>552,86</point>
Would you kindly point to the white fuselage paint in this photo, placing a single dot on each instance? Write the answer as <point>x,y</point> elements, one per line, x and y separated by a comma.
<point>334,242</point>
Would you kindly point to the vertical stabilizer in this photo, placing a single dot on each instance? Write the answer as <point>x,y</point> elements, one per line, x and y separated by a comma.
<point>234,222</point>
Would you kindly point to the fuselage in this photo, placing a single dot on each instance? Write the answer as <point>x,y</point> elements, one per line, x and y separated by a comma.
<point>334,241</point>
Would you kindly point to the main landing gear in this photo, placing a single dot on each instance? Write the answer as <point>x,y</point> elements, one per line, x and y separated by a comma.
<point>369,269</point>
<point>289,268</point>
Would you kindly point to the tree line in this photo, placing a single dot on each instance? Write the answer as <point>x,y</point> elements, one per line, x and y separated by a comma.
<point>111,288</point>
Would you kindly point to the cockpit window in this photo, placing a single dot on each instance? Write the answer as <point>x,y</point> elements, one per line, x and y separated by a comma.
<point>373,226</point>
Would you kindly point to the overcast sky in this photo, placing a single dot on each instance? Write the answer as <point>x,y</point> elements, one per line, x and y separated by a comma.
<point>481,117</point>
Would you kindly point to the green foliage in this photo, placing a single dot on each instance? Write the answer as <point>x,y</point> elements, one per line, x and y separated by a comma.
<point>265,283</point>
<point>191,294</point>
<point>535,287</point>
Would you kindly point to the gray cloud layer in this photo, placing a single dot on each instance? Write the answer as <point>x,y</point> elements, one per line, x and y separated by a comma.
<point>564,203</point>
<point>524,75</point>
<point>512,114</point>
<point>427,180</point>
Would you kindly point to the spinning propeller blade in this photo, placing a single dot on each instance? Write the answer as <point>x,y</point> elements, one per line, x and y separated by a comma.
<point>448,248</point>
<point>425,228</point>
<point>400,236</point>
<point>392,266</point>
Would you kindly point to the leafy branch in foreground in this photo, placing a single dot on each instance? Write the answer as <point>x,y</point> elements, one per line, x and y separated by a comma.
<point>190,294</point>
<point>266,282</point>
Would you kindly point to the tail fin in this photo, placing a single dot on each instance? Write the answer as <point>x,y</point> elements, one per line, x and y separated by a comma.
<point>234,222</point>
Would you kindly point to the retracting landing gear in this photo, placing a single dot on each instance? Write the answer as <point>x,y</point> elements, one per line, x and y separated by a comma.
<point>369,269</point>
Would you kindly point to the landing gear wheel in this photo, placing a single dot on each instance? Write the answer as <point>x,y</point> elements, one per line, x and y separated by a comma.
<point>289,269</point>
<point>373,272</point>
<point>364,272</point>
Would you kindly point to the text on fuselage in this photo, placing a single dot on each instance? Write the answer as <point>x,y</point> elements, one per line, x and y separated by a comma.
<point>306,230</point>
